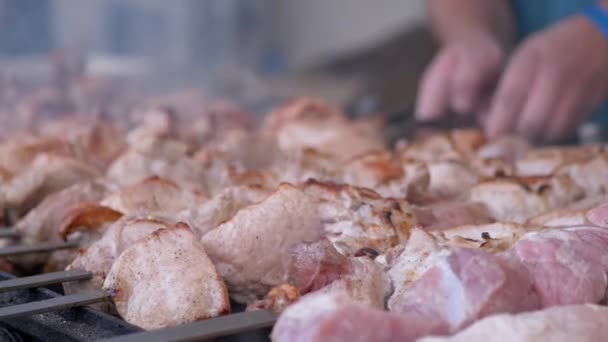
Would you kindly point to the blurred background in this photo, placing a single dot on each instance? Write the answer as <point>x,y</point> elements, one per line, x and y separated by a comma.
<point>367,54</point>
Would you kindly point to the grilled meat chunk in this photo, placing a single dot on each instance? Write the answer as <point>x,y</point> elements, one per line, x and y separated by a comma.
<point>171,266</point>
<point>562,323</point>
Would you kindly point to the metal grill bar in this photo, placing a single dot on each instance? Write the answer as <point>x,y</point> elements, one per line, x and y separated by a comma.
<point>43,279</point>
<point>203,330</point>
<point>42,247</point>
<point>8,233</point>
<point>53,304</point>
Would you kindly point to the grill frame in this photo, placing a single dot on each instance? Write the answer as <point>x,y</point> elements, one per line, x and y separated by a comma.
<point>80,323</point>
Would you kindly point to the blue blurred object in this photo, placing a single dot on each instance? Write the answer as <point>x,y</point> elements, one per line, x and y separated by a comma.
<point>535,15</point>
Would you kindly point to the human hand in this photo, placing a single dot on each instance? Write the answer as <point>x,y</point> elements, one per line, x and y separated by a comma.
<point>553,81</point>
<point>459,75</point>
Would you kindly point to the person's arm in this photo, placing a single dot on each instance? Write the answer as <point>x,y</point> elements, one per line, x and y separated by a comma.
<point>475,36</point>
<point>456,19</point>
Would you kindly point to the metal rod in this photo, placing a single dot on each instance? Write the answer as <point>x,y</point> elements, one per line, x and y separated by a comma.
<point>42,247</point>
<point>53,304</point>
<point>203,330</point>
<point>43,279</point>
<point>8,233</point>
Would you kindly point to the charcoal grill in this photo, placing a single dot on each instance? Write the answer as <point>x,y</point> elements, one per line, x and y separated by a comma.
<point>35,309</point>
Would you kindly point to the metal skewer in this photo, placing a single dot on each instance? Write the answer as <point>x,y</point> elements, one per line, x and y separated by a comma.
<point>43,279</point>
<point>208,329</point>
<point>42,247</point>
<point>53,304</point>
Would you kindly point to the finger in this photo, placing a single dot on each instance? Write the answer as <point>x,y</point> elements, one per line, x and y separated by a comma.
<point>433,95</point>
<point>565,109</point>
<point>469,81</point>
<point>511,95</point>
<point>574,106</point>
<point>541,102</point>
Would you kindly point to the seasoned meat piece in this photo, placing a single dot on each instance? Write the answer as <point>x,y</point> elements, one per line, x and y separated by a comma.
<point>221,208</point>
<point>277,299</point>
<point>302,109</point>
<point>449,179</point>
<point>99,257</point>
<point>335,317</point>
<point>519,199</point>
<point>491,168</point>
<point>453,213</point>
<point>17,153</point>
<point>300,166</point>
<point>306,123</point>
<point>42,224</point>
<point>266,230</point>
<point>98,144</point>
<point>493,237</point>
<point>463,286</point>
<point>132,167</point>
<point>407,263</point>
<point>584,323</point>
<point>171,266</point>
<point>438,147</point>
<point>577,214</point>
<point>153,196</point>
<point>591,176</point>
<point>46,174</point>
<point>506,148</point>
<point>383,173</point>
<point>366,283</point>
<point>567,266</point>
<point>356,218</point>
<point>318,267</point>
<point>546,161</point>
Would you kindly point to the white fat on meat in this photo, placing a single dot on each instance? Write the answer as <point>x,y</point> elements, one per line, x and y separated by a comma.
<point>266,230</point>
<point>583,323</point>
<point>171,266</point>
<point>356,218</point>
